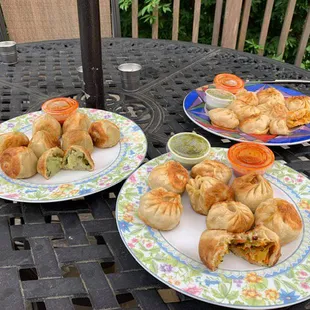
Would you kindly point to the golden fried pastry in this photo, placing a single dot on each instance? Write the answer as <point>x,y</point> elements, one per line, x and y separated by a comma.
<point>232,216</point>
<point>298,118</point>
<point>247,97</point>
<point>204,192</point>
<point>281,217</point>
<point>50,162</point>
<point>47,123</point>
<point>270,95</point>
<point>160,209</point>
<point>298,103</point>
<point>243,110</point>
<point>42,141</point>
<point>19,162</point>
<point>76,121</point>
<point>213,245</point>
<point>273,110</point>
<point>258,125</point>
<point>212,168</point>
<point>77,158</point>
<point>224,118</point>
<point>77,137</point>
<point>259,246</point>
<point>278,126</point>
<point>104,133</point>
<point>12,139</point>
<point>252,189</point>
<point>171,175</point>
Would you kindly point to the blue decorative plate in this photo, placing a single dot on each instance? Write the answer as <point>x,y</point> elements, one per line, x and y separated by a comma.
<point>194,102</point>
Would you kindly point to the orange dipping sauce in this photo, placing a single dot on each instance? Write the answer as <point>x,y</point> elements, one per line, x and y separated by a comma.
<point>229,82</point>
<point>249,157</point>
<point>60,108</point>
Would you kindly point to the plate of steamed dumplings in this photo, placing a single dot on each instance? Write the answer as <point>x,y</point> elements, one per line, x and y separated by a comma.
<point>199,229</point>
<point>270,115</point>
<point>42,160</point>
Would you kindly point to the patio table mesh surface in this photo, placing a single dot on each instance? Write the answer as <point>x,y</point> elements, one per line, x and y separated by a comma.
<point>58,255</point>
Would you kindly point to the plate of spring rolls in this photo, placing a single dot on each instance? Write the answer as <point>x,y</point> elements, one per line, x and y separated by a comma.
<point>261,113</point>
<point>44,161</point>
<point>241,242</point>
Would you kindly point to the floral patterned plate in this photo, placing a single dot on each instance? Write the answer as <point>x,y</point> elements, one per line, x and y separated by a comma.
<point>112,165</point>
<point>172,256</point>
<point>193,106</point>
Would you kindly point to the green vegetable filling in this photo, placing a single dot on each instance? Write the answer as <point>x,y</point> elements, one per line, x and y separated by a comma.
<point>76,160</point>
<point>53,165</point>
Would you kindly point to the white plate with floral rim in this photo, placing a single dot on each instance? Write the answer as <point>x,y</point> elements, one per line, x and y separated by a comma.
<point>172,257</point>
<point>112,165</point>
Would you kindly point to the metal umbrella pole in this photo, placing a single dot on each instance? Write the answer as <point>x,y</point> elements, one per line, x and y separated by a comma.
<point>90,38</point>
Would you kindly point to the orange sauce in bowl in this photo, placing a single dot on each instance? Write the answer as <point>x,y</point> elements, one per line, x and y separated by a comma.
<point>249,157</point>
<point>228,82</point>
<point>60,108</point>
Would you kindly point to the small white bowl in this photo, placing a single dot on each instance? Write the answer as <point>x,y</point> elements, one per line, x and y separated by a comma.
<point>214,98</point>
<point>192,144</point>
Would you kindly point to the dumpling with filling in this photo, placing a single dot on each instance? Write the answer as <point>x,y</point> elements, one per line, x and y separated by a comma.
<point>19,162</point>
<point>171,175</point>
<point>160,209</point>
<point>255,125</point>
<point>213,245</point>
<point>12,139</point>
<point>223,117</point>
<point>77,158</point>
<point>204,192</point>
<point>42,141</point>
<point>232,216</point>
<point>281,217</point>
<point>47,123</point>
<point>273,110</point>
<point>252,189</point>
<point>243,110</point>
<point>212,168</point>
<point>270,95</point>
<point>50,162</point>
<point>298,118</point>
<point>76,121</point>
<point>278,126</point>
<point>298,103</point>
<point>77,137</point>
<point>247,97</point>
<point>104,133</point>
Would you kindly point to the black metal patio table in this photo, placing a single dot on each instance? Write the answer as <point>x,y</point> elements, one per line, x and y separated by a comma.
<point>39,243</point>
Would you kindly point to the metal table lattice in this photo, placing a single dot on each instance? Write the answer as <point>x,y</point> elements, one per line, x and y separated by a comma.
<point>58,255</point>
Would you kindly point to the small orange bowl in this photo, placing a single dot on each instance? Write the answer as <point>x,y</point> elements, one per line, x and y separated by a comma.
<point>228,82</point>
<point>60,108</point>
<point>247,157</point>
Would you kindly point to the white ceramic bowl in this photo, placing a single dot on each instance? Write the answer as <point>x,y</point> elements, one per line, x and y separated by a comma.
<point>214,100</point>
<point>193,144</point>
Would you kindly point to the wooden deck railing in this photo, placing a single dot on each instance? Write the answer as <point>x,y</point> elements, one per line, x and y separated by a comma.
<point>231,34</point>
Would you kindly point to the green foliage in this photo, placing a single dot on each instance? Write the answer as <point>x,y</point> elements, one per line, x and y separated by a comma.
<point>146,19</point>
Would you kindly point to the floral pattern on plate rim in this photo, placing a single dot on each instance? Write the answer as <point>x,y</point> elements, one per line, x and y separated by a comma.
<point>251,289</point>
<point>132,152</point>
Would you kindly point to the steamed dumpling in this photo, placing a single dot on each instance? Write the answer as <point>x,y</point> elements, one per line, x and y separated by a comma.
<point>243,110</point>
<point>203,192</point>
<point>297,103</point>
<point>298,118</point>
<point>77,137</point>
<point>19,162</point>
<point>212,168</point>
<point>171,175</point>
<point>252,189</point>
<point>47,123</point>
<point>160,209</point>
<point>232,216</point>
<point>50,162</point>
<point>281,217</point>
<point>12,139</point>
<point>42,141</point>
<point>104,133</point>
<point>255,125</point>
<point>247,97</point>
<point>76,121</point>
<point>279,127</point>
<point>77,157</point>
<point>270,95</point>
<point>273,110</point>
<point>224,118</point>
